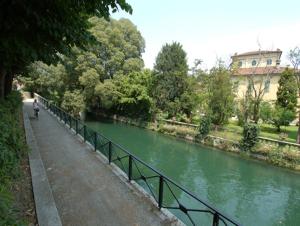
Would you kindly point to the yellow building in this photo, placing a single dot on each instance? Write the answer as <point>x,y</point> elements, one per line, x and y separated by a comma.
<point>261,67</point>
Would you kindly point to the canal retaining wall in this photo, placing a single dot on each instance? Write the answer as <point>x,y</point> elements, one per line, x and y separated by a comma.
<point>281,154</point>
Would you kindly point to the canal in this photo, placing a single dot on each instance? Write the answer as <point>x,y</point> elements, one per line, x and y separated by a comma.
<point>250,191</point>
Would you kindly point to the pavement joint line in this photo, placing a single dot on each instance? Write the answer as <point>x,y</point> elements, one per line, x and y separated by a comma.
<point>46,210</point>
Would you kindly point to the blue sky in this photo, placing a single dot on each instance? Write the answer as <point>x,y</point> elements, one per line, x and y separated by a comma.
<point>216,29</point>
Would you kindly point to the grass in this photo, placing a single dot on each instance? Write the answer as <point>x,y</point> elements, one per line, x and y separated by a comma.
<point>234,131</point>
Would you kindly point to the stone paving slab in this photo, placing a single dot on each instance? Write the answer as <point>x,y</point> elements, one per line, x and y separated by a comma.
<point>85,189</point>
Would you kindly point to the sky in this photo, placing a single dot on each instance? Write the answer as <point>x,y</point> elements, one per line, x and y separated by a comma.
<point>213,29</point>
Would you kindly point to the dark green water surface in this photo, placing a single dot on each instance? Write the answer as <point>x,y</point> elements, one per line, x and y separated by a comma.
<point>252,192</point>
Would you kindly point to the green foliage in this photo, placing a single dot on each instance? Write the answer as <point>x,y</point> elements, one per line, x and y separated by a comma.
<point>172,90</point>
<point>89,73</point>
<point>204,126</point>
<point>282,117</point>
<point>108,94</point>
<point>250,136</point>
<point>134,94</point>
<point>73,102</point>
<point>266,112</point>
<point>244,109</point>
<point>120,46</point>
<point>38,30</point>
<point>171,59</point>
<point>11,150</point>
<point>284,111</point>
<point>47,80</point>
<point>221,95</point>
<point>287,91</point>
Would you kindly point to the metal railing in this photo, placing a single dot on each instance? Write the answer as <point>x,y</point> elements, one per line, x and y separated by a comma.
<point>167,193</point>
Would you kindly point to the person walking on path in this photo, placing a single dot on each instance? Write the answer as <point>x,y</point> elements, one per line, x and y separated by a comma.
<point>35,108</point>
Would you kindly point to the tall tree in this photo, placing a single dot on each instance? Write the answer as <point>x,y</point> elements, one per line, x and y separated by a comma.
<point>38,30</point>
<point>294,56</point>
<point>287,91</point>
<point>170,85</point>
<point>120,46</point>
<point>171,59</point>
<point>221,95</point>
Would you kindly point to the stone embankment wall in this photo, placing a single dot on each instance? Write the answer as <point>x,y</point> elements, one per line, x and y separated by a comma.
<point>277,153</point>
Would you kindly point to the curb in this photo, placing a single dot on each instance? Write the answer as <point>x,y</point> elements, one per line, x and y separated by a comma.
<point>46,210</point>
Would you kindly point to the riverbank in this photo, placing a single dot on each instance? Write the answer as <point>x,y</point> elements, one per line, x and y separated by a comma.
<point>274,153</point>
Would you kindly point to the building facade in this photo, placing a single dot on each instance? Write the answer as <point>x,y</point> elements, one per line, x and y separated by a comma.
<point>261,67</point>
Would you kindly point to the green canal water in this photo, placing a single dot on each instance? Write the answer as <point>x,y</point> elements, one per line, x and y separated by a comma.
<point>251,192</point>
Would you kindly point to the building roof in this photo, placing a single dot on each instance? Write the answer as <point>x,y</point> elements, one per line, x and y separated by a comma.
<point>259,70</point>
<point>262,52</point>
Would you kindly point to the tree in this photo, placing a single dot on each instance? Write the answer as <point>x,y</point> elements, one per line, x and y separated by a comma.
<point>257,89</point>
<point>171,85</point>
<point>135,100</point>
<point>120,46</point>
<point>285,107</point>
<point>108,95</point>
<point>47,80</point>
<point>257,86</point>
<point>250,136</point>
<point>294,57</point>
<point>220,95</point>
<point>73,102</point>
<point>245,107</point>
<point>38,30</point>
<point>89,80</point>
<point>287,91</point>
<point>265,112</point>
<point>171,59</point>
<point>282,117</point>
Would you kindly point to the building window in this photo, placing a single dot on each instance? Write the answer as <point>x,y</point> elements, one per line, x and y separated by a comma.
<point>253,62</point>
<point>240,64</point>
<point>267,86</point>
<point>269,61</point>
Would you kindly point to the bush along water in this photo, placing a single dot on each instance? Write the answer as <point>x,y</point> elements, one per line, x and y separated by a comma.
<point>250,136</point>
<point>204,127</point>
<point>11,151</point>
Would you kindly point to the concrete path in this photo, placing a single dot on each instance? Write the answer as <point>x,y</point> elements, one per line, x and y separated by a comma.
<point>85,189</point>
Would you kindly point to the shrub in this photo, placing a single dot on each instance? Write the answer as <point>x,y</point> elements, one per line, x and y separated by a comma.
<point>204,127</point>
<point>265,112</point>
<point>11,150</point>
<point>250,136</point>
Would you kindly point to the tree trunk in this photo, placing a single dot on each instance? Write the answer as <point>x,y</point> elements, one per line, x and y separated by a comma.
<point>8,84</point>
<point>256,113</point>
<point>2,83</point>
<point>298,135</point>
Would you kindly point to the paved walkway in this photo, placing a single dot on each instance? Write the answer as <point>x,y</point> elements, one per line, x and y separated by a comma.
<point>85,190</point>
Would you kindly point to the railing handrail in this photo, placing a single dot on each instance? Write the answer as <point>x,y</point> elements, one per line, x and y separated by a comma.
<point>205,203</point>
<point>279,141</point>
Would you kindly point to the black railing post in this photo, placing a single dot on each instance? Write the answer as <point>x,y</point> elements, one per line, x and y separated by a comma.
<point>109,152</point>
<point>65,118</point>
<point>84,133</point>
<point>76,126</point>
<point>95,140</point>
<point>161,191</point>
<point>130,168</point>
<point>216,220</point>
<point>70,121</point>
